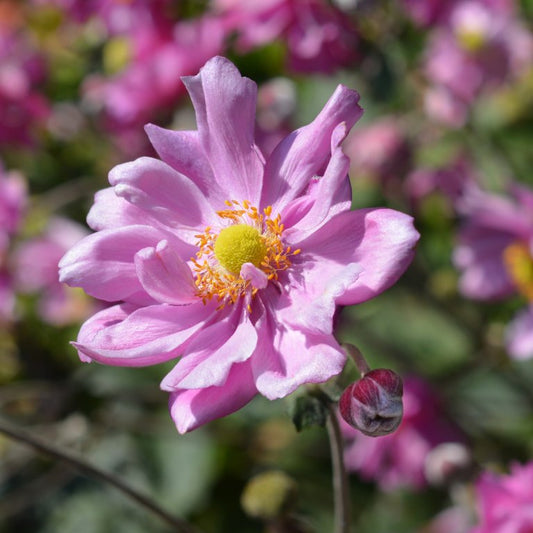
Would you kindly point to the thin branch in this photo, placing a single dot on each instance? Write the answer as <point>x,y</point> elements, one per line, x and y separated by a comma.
<point>178,525</point>
<point>341,493</point>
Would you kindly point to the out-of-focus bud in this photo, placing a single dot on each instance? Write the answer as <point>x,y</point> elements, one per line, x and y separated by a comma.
<point>449,462</point>
<point>373,405</point>
<point>268,495</point>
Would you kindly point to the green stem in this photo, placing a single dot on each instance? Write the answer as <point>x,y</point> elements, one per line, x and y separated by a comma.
<point>11,431</point>
<point>341,493</point>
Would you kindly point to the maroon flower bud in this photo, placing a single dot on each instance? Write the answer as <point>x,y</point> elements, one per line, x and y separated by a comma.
<point>373,405</point>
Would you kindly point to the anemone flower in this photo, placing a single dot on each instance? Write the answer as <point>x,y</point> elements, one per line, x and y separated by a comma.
<point>233,263</point>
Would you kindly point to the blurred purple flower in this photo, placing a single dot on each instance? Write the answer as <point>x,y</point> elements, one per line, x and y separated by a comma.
<point>505,502</point>
<point>150,80</point>
<point>34,264</point>
<point>233,263</point>
<point>482,46</point>
<point>319,37</point>
<point>398,459</point>
<point>13,200</point>
<point>495,256</point>
<point>22,71</point>
<point>379,150</point>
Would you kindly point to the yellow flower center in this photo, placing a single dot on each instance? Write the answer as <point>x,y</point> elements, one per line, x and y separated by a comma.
<point>519,265</point>
<point>239,244</point>
<point>471,40</point>
<point>251,237</point>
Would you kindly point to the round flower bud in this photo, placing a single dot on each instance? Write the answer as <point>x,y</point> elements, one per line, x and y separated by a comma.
<point>373,405</point>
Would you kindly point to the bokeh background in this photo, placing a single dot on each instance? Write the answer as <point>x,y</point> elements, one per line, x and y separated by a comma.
<point>447,136</point>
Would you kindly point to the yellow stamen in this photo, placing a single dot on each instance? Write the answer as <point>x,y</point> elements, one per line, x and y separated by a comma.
<point>250,237</point>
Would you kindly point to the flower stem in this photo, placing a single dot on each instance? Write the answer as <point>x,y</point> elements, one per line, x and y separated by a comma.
<point>11,431</point>
<point>358,358</point>
<point>340,478</point>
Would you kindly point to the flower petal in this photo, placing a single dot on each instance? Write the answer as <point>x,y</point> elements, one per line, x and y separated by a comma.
<point>191,408</point>
<point>211,355</point>
<point>163,192</point>
<point>305,152</point>
<point>519,335</point>
<point>225,112</point>
<point>103,263</point>
<point>164,276</point>
<point>286,358</point>
<point>183,151</point>
<point>125,336</point>
<point>381,241</point>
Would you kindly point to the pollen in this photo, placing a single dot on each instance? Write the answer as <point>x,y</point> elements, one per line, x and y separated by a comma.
<point>239,244</point>
<point>245,235</point>
<point>519,265</point>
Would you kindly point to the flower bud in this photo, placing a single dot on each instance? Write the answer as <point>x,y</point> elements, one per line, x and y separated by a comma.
<point>373,405</point>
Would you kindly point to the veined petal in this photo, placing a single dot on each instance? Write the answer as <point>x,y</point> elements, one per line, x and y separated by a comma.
<point>111,211</point>
<point>183,151</point>
<point>305,152</point>
<point>164,276</point>
<point>103,263</point>
<point>381,241</point>
<point>332,192</point>
<point>127,336</point>
<point>225,112</point>
<point>162,192</point>
<point>286,358</point>
<point>210,356</point>
<point>191,408</point>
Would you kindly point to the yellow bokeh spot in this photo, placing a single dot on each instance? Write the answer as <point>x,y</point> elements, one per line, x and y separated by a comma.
<point>239,244</point>
<point>471,40</point>
<point>519,265</point>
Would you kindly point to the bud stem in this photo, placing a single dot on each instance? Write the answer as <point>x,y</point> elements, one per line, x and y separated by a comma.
<point>340,477</point>
<point>358,358</point>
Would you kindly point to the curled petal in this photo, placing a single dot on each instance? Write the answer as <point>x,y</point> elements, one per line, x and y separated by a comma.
<point>191,408</point>
<point>225,104</point>
<point>126,336</point>
<point>164,276</point>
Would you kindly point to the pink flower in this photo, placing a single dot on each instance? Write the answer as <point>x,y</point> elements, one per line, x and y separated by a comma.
<point>150,82</point>
<point>481,47</point>
<point>318,36</point>
<point>22,70</point>
<point>495,256</point>
<point>505,502</point>
<point>34,265</point>
<point>13,198</point>
<point>232,262</point>
<point>398,459</point>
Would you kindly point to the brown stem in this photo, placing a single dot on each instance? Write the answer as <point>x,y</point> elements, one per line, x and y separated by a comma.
<point>341,493</point>
<point>178,525</point>
<point>358,358</point>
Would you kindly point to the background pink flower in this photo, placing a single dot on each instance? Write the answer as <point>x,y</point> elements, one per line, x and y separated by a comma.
<point>505,502</point>
<point>233,262</point>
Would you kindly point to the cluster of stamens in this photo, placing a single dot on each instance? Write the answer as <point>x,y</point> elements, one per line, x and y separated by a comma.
<point>217,273</point>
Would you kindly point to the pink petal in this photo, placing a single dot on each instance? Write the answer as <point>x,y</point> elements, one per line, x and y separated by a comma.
<point>305,152</point>
<point>519,335</point>
<point>103,263</point>
<point>257,277</point>
<point>211,355</point>
<point>164,276</point>
<point>183,152</point>
<point>225,112</point>
<point>191,408</point>
<point>162,192</point>
<point>332,193</point>
<point>286,358</point>
<point>381,241</point>
<point>125,336</point>
<point>111,211</point>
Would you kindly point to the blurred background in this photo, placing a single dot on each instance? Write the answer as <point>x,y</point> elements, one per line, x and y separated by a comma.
<point>447,136</point>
